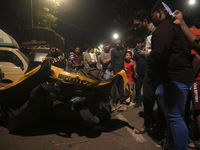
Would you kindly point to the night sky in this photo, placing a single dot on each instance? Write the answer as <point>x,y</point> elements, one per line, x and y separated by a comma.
<point>95,16</point>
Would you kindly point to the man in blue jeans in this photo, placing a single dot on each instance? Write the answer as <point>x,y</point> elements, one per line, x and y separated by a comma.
<point>170,57</point>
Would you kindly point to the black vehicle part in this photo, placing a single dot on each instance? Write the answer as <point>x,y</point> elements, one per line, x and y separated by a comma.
<point>93,73</point>
<point>89,117</point>
<point>104,107</point>
<point>49,88</point>
<point>76,100</point>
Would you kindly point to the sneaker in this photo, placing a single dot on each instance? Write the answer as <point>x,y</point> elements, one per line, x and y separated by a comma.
<point>131,104</point>
<point>165,145</point>
<point>128,100</point>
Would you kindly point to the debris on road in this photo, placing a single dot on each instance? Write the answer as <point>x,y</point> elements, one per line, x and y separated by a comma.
<point>69,144</point>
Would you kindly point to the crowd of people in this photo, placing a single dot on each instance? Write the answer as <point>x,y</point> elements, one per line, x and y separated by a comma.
<point>165,63</point>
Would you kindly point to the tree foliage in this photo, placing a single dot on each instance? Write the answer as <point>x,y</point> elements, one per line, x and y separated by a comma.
<point>44,13</point>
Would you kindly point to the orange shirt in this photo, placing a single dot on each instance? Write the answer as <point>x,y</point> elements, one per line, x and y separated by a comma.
<point>197,76</point>
<point>129,66</point>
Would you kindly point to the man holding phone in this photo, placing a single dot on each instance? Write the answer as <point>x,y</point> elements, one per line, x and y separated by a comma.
<point>141,66</point>
<point>142,23</point>
<point>174,74</point>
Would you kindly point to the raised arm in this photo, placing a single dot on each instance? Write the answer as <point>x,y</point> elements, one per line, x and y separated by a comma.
<point>179,21</point>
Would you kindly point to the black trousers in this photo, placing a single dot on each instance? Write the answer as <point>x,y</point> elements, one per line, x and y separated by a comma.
<point>149,98</point>
<point>119,84</point>
<point>138,86</point>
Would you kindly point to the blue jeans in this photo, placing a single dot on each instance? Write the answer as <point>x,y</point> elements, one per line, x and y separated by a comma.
<point>172,97</point>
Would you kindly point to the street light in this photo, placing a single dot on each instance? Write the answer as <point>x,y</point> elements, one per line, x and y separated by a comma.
<point>115,36</point>
<point>192,2</point>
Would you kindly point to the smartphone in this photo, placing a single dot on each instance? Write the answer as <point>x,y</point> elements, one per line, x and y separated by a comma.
<point>167,7</point>
<point>139,50</point>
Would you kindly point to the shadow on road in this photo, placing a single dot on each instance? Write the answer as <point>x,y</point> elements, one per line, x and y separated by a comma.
<point>66,129</point>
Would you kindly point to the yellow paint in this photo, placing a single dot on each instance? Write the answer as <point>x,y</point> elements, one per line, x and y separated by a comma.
<point>73,77</point>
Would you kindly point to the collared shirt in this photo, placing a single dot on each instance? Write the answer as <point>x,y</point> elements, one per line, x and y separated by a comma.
<point>148,38</point>
<point>148,44</point>
<point>78,59</point>
<point>141,64</point>
<point>86,59</point>
<point>117,60</point>
<point>106,55</point>
<point>170,54</point>
<point>93,56</point>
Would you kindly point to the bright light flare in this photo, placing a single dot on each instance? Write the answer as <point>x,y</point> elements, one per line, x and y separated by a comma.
<point>192,2</point>
<point>115,36</point>
<point>101,46</point>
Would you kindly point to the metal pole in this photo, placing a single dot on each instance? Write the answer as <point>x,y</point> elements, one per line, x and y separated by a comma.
<point>31,14</point>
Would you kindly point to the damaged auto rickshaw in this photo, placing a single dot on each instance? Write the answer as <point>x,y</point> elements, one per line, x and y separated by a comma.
<point>83,93</point>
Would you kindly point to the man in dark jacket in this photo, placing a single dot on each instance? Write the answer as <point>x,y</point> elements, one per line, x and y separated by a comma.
<point>117,64</point>
<point>170,57</point>
<point>58,58</point>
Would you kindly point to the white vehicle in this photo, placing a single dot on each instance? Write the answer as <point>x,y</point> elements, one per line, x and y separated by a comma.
<point>13,62</point>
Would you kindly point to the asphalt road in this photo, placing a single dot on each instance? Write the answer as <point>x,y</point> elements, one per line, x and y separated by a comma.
<point>118,134</point>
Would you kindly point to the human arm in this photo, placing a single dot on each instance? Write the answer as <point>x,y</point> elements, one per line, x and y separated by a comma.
<point>134,69</point>
<point>145,54</point>
<point>105,61</point>
<point>78,65</point>
<point>179,21</point>
<point>112,62</point>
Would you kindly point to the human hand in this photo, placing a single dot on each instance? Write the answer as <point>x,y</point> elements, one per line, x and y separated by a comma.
<point>178,17</point>
<point>143,54</point>
<point>112,74</point>
<point>136,75</point>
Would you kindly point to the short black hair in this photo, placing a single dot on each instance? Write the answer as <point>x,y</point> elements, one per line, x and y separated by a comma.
<point>52,45</point>
<point>141,15</point>
<point>188,18</point>
<point>78,47</point>
<point>157,6</point>
<point>139,40</point>
<point>106,42</point>
<point>129,53</point>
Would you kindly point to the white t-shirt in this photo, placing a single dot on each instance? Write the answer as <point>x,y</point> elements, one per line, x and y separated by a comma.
<point>93,56</point>
<point>148,43</point>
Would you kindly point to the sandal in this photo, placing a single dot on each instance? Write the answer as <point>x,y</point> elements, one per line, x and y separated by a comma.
<point>139,131</point>
<point>196,145</point>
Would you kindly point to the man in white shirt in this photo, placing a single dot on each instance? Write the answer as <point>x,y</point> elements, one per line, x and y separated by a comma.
<point>93,57</point>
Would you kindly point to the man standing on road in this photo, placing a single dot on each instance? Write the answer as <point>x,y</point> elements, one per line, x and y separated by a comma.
<point>141,66</point>
<point>58,58</point>
<point>86,57</point>
<point>78,58</point>
<point>117,64</point>
<point>106,59</point>
<point>142,22</point>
